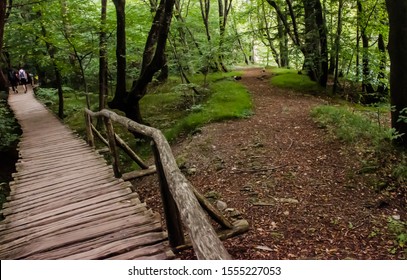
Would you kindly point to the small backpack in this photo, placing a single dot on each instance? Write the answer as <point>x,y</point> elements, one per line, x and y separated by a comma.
<point>21,74</point>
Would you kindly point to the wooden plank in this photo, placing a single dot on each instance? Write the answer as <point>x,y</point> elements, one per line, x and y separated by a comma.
<point>160,256</point>
<point>62,139</point>
<point>55,176</point>
<point>47,161</point>
<point>51,168</point>
<point>67,210</point>
<point>16,237</point>
<point>139,173</point>
<point>27,189</point>
<point>84,214</point>
<point>43,202</point>
<point>27,158</point>
<point>119,246</point>
<point>44,244</point>
<point>25,154</point>
<point>84,246</point>
<point>49,153</point>
<point>144,252</point>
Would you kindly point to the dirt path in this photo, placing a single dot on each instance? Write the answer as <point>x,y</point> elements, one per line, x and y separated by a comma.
<point>298,190</point>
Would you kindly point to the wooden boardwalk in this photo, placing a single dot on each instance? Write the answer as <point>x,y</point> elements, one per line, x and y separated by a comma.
<point>65,202</point>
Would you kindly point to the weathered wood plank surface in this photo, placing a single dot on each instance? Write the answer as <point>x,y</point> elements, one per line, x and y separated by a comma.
<point>65,202</point>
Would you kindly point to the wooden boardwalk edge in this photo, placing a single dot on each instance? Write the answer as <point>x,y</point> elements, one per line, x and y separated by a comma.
<point>65,202</point>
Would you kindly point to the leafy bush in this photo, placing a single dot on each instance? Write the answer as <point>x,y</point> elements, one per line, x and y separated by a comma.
<point>350,126</point>
<point>381,158</point>
<point>399,230</point>
<point>9,132</point>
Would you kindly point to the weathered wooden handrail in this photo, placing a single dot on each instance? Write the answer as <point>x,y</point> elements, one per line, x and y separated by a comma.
<point>203,237</point>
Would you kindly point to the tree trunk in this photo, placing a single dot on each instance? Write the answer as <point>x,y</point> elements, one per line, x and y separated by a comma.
<point>210,62</point>
<point>224,7</point>
<point>118,101</point>
<point>269,40</point>
<point>239,42</point>
<point>103,83</point>
<point>58,77</point>
<point>382,89</point>
<point>67,30</point>
<point>283,44</point>
<point>323,44</point>
<point>153,61</point>
<point>337,47</point>
<point>311,46</point>
<point>3,79</point>
<point>398,70</point>
<point>358,44</point>
<point>367,86</point>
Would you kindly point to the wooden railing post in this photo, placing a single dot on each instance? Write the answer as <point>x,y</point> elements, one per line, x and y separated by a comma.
<point>89,133</point>
<point>112,147</point>
<point>172,215</point>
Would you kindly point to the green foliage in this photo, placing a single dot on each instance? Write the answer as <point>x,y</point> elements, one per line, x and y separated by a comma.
<point>9,133</point>
<point>161,109</point>
<point>350,126</point>
<point>399,172</point>
<point>399,230</point>
<point>381,159</point>
<point>403,116</point>
<point>290,79</point>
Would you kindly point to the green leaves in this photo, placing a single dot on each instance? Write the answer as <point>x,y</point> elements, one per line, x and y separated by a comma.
<point>9,133</point>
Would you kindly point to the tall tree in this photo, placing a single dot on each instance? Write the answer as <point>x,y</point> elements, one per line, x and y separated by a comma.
<point>224,7</point>
<point>51,52</point>
<point>153,61</point>
<point>364,21</point>
<point>103,82</point>
<point>314,45</point>
<point>120,94</point>
<point>3,79</point>
<point>397,10</point>
<point>337,47</point>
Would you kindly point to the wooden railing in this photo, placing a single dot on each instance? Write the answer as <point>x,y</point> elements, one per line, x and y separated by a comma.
<point>182,204</point>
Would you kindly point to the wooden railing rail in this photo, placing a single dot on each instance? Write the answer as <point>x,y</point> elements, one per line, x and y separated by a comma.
<point>179,197</point>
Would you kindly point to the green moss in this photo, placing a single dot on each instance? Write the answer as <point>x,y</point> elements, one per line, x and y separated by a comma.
<point>228,100</point>
<point>290,79</point>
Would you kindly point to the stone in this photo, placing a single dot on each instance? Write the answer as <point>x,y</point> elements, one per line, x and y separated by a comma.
<point>221,205</point>
<point>263,248</point>
<point>287,200</point>
<point>191,171</point>
<point>396,217</point>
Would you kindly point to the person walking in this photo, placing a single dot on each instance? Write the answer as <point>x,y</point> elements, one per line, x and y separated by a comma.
<point>23,78</point>
<point>12,78</point>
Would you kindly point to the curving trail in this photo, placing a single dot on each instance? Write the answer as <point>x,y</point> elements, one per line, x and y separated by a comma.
<point>298,189</point>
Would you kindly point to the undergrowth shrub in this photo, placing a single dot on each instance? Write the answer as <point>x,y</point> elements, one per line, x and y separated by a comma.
<point>399,230</point>
<point>9,129</point>
<point>373,139</point>
<point>351,126</point>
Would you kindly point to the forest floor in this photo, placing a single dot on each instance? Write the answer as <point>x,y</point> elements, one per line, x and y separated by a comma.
<point>298,188</point>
